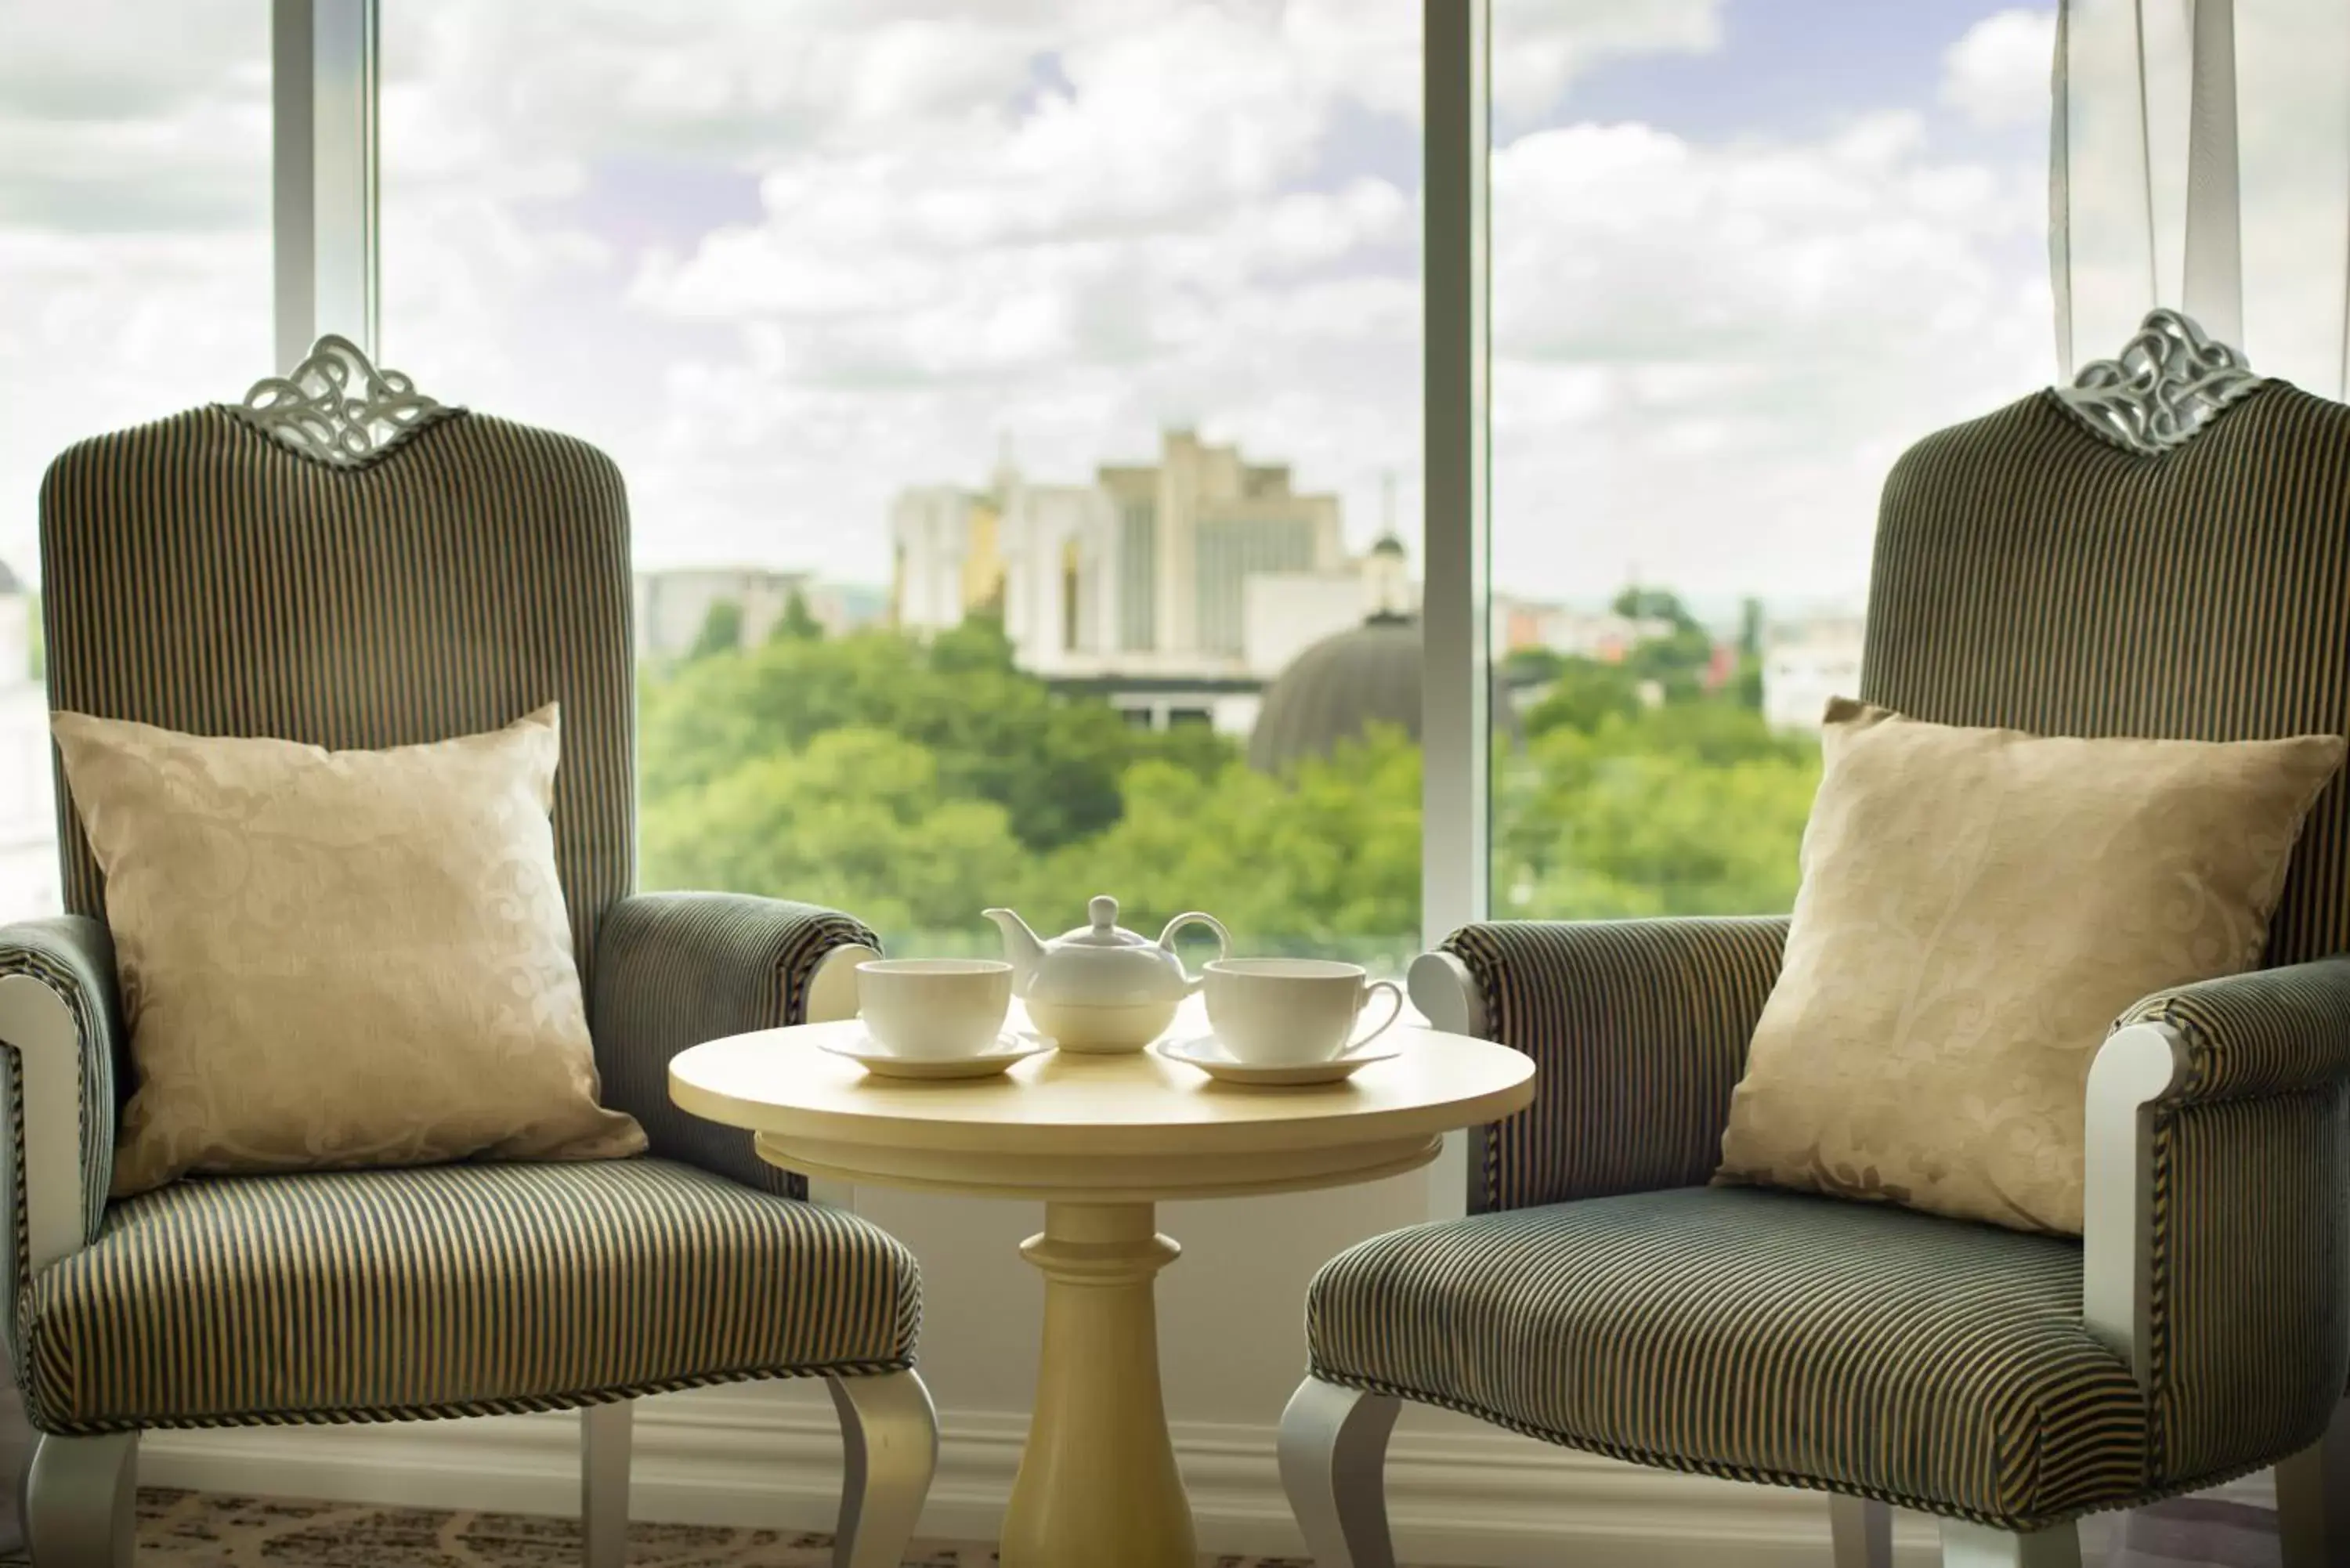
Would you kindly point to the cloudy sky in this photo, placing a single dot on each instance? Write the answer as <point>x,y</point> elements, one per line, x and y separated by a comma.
<point>783,258</point>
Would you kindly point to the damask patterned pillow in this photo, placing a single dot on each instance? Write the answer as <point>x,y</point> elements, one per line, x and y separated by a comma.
<point>338,958</point>
<point>1977,906</point>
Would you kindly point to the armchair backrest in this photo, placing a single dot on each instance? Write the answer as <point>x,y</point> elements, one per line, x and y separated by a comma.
<point>2033,572</point>
<point>199,574</point>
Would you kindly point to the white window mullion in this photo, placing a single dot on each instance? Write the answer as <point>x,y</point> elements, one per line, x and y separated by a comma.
<point>2213,290</point>
<point>1456,689</point>
<point>324,200</point>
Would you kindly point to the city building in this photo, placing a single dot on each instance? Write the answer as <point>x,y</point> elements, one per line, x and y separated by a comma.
<point>1201,521</point>
<point>1174,588</point>
<point>1599,633</point>
<point>1340,687</point>
<point>1804,664</point>
<point>1041,555</point>
<point>674,603</point>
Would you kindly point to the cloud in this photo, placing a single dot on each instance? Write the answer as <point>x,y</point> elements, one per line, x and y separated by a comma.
<point>1540,47</point>
<point>782,260</point>
<point>112,61</point>
<point>1076,228</point>
<point>134,200</point>
<point>1686,334</point>
<point>1707,354</point>
<point>124,118</point>
<point>1996,74</point>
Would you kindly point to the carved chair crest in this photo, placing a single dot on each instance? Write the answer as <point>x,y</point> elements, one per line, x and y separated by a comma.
<point>2167,384</point>
<point>337,407</point>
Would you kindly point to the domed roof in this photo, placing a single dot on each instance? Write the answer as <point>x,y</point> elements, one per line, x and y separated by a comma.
<point>1341,686</point>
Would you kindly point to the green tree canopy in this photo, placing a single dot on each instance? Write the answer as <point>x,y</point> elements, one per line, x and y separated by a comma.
<point>1585,694</point>
<point>1677,662</point>
<point>1711,734</point>
<point>1750,626</point>
<point>1533,666</point>
<point>916,781</point>
<point>1052,764</point>
<point>1324,859</point>
<point>1696,809</point>
<point>1638,603</point>
<point>978,644</point>
<point>858,820</point>
<point>797,623</point>
<point>721,632</point>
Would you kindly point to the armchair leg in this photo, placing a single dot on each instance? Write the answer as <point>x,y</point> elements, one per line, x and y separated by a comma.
<point>604,1433</point>
<point>889,1441</point>
<point>1966,1545</point>
<point>1334,1449</point>
<point>2313,1491</point>
<point>80,1502</point>
<point>1862,1529</point>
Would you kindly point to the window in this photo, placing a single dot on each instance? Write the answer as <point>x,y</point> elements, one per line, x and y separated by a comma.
<point>1056,355</point>
<point>134,209</point>
<point>1011,398</point>
<point>1740,263</point>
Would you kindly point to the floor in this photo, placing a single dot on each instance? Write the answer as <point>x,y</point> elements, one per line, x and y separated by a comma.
<point>189,1529</point>
<point>2199,1531</point>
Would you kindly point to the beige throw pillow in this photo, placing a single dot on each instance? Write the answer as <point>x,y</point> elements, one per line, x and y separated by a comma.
<point>338,958</point>
<point>1977,908</point>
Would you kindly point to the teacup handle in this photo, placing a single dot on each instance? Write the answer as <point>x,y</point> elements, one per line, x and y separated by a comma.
<point>1197,917</point>
<point>1395,993</point>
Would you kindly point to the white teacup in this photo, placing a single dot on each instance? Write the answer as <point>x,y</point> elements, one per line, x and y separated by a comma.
<point>934,1008</point>
<point>1288,1012</point>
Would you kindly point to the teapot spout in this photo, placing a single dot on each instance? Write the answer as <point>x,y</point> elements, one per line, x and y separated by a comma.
<point>1021,945</point>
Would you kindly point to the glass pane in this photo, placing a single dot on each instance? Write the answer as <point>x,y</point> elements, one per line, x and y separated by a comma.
<point>1743,255</point>
<point>2293,122</point>
<point>134,268</point>
<point>1008,395</point>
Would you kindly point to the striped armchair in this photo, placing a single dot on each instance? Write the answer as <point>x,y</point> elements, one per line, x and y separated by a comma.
<point>2064,565</point>
<point>270,569</point>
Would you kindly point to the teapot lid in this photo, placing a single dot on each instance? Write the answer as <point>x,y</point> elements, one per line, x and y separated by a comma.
<point>1104,932</point>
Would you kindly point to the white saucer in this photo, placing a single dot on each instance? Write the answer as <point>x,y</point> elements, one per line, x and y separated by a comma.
<point>871,1055</point>
<point>1209,1055</point>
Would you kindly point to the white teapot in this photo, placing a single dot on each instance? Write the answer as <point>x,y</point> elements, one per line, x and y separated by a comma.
<point>1101,988</point>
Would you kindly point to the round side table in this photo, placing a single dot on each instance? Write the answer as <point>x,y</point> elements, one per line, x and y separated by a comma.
<point>1101,1140</point>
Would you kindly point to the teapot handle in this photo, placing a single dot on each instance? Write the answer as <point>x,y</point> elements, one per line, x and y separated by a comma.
<point>1196,918</point>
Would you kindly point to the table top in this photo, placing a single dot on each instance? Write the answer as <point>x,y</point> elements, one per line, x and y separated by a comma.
<point>779,1083</point>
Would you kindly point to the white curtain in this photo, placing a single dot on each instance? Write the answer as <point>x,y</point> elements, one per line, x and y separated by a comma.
<point>2200,159</point>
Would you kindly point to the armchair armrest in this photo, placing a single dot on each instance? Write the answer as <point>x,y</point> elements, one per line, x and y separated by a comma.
<point>673,970</point>
<point>61,1036</point>
<point>1640,1028</point>
<point>2216,1220</point>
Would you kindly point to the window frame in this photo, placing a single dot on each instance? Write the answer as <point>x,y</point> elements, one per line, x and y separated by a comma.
<point>325,233</point>
<point>327,238</point>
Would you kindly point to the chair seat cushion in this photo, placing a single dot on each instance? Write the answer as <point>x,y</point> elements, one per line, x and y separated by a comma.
<point>1758,1334</point>
<point>452,1290</point>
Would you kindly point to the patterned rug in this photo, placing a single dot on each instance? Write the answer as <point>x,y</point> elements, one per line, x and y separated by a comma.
<point>194,1530</point>
<point>191,1530</point>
